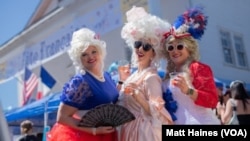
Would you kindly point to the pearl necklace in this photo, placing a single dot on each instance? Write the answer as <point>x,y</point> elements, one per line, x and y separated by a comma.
<point>100,78</point>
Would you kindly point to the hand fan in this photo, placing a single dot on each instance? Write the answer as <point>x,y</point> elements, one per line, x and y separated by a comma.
<point>106,115</point>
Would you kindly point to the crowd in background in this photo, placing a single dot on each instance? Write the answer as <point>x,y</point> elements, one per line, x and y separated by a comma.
<point>233,107</point>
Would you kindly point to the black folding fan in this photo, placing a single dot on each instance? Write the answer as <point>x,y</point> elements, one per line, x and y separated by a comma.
<point>106,115</point>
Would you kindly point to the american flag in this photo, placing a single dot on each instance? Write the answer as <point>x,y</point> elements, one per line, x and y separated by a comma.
<point>30,83</point>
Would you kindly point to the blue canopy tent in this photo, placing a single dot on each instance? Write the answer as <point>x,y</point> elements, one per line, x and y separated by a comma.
<point>218,83</point>
<point>35,110</point>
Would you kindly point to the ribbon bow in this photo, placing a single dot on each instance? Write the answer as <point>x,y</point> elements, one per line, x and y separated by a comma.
<point>173,33</point>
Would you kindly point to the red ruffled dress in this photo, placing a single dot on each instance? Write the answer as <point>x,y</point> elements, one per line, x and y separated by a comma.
<point>61,132</point>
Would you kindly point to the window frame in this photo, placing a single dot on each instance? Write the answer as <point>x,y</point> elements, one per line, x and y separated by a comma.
<point>231,45</point>
<point>242,51</point>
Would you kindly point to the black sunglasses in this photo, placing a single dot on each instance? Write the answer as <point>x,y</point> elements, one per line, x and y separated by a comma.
<point>172,47</point>
<point>145,46</point>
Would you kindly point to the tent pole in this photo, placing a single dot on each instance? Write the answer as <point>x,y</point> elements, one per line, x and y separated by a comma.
<point>45,114</point>
<point>46,128</point>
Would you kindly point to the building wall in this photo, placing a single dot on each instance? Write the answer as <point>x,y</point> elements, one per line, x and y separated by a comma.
<point>235,20</point>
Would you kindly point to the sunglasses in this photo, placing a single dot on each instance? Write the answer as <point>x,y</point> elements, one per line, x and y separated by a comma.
<point>145,46</point>
<point>177,47</point>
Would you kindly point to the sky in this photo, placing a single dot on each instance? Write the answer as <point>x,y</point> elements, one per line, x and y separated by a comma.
<point>14,15</point>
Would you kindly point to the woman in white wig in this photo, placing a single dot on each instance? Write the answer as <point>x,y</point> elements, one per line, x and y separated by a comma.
<point>87,89</point>
<point>141,92</point>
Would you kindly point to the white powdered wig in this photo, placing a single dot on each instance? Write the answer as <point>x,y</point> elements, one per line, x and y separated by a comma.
<point>142,25</point>
<point>81,40</point>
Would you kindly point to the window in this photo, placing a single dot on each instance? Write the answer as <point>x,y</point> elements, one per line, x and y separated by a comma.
<point>240,52</point>
<point>227,47</point>
<point>233,49</point>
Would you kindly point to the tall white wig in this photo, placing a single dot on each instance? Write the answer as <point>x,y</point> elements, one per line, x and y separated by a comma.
<point>81,40</point>
<point>142,25</point>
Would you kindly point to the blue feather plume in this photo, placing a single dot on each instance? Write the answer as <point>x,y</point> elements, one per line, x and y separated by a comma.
<point>170,103</point>
<point>195,19</point>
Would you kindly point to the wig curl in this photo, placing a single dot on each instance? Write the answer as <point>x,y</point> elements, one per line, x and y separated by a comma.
<point>81,40</point>
<point>142,25</point>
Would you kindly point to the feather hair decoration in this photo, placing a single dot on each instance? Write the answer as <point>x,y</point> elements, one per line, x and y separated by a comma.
<point>192,22</point>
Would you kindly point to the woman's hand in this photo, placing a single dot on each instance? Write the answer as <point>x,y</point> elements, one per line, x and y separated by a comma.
<point>220,109</point>
<point>124,72</point>
<point>104,130</point>
<point>181,83</point>
<point>130,88</point>
<point>134,90</point>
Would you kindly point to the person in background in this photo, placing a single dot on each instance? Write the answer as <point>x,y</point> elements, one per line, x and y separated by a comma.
<point>220,89</point>
<point>141,92</point>
<point>223,98</point>
<point>26,128</point>
<point>90,87</point>
<point>226,96</point>
<point>240,103</point>
<point>193,87</point>
<point>39,136</point>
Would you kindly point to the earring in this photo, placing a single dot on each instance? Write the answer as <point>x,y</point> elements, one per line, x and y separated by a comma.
<point>154,63</point>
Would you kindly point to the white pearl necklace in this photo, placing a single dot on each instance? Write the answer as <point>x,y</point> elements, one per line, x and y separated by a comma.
<point>100,78</point>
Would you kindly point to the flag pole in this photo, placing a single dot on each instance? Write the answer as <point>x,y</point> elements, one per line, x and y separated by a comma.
<point>49,81</point>
<point>45,115</point>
